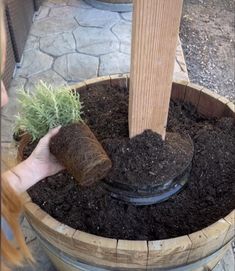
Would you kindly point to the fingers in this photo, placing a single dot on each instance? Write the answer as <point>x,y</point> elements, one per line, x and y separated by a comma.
<point>54,131</point>
<point>50,134</point>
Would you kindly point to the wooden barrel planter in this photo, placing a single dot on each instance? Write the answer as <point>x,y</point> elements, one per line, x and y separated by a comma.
<point>112,5</point>
<point>71,249</point>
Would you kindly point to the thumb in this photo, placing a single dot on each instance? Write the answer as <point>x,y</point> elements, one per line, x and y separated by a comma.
<point>54,131</point>
<point>50,134</point>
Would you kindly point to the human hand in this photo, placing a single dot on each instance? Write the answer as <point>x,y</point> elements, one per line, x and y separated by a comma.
<point>41,161</point>
<point>39,165</point>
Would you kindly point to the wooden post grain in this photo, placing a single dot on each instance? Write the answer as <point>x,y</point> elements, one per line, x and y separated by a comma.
<point>154,38</point>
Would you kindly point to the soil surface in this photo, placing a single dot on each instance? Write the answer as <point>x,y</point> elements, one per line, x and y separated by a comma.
<point>207,34</point>
<point>208,196</point>
<point>147,160</point>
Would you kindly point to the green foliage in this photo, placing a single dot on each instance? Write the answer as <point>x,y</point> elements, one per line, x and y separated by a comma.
<point>47,108</point>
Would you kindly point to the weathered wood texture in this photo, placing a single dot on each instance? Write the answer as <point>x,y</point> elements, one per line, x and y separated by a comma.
<point>140,255</point>
<point>132,254</point>
<point>230,218</point>
<point>207,102</point>
<point>154,38</point>
<point>169,252</point>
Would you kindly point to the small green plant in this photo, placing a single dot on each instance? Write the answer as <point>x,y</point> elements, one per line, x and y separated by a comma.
<point>47,108</point>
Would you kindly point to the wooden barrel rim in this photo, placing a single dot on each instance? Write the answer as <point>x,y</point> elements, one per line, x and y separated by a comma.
<point>138,254</point>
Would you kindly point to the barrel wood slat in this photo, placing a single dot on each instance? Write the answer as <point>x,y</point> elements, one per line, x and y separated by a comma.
<point>178,90</point>
<point>208,240</point>
<point>211,104</point>
<point>26,198</point>
<point>228,112</point>
<point>119,80</point>
<point>115,80</point>
<point>169,252</point>
<point>59,232</point>
<point>192,94</point>
<point>94,249</point>
<point>33,212</point>
<point>223,100</point>
<point>61,238</point>
<point>231,109</point>
<point>103,80</point>
<point>207,102</point>
<point>230,219</point>
<point>60,235</point>
<point>140,255</point>
<point>81,86</point>
<point>215,234</point>
<point>198,240</point>
<point>132,254</point>
<point>210,107</point>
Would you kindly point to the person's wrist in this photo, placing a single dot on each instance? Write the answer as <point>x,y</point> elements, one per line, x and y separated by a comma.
<point>34,168</point>
<point>24,175</point>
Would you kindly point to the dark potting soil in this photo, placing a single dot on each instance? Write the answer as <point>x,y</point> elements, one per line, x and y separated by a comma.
<point>208,196</point>
<point>146,159</point>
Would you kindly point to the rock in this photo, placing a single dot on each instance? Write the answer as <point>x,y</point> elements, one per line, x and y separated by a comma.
<point>123,32</point>
<point>76,67</point>
<point>125,47</point>
<point>57,45</point>
<point>95,41</point>
<point>64,12</point>
<point>10,110</point>
<point>127,16</point>
<point>32,43</point>
<point>53,25</point>
<point>34,62</point>
<point>49,77</point>
<point>114,63</point>
<point>6,129</point>
<point>96,18</point>
<point>16,84</point>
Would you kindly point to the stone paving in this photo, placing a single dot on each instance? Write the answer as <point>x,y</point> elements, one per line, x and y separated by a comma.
<point>71,41</point>
<point>76,41</point>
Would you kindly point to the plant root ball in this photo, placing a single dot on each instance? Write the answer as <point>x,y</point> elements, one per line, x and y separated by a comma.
<point>76,147</point>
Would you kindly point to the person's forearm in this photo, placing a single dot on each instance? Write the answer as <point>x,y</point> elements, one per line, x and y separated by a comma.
<point>22,176</point>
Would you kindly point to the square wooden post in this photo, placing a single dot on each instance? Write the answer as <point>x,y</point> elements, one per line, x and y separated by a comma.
<point>154,38</point>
